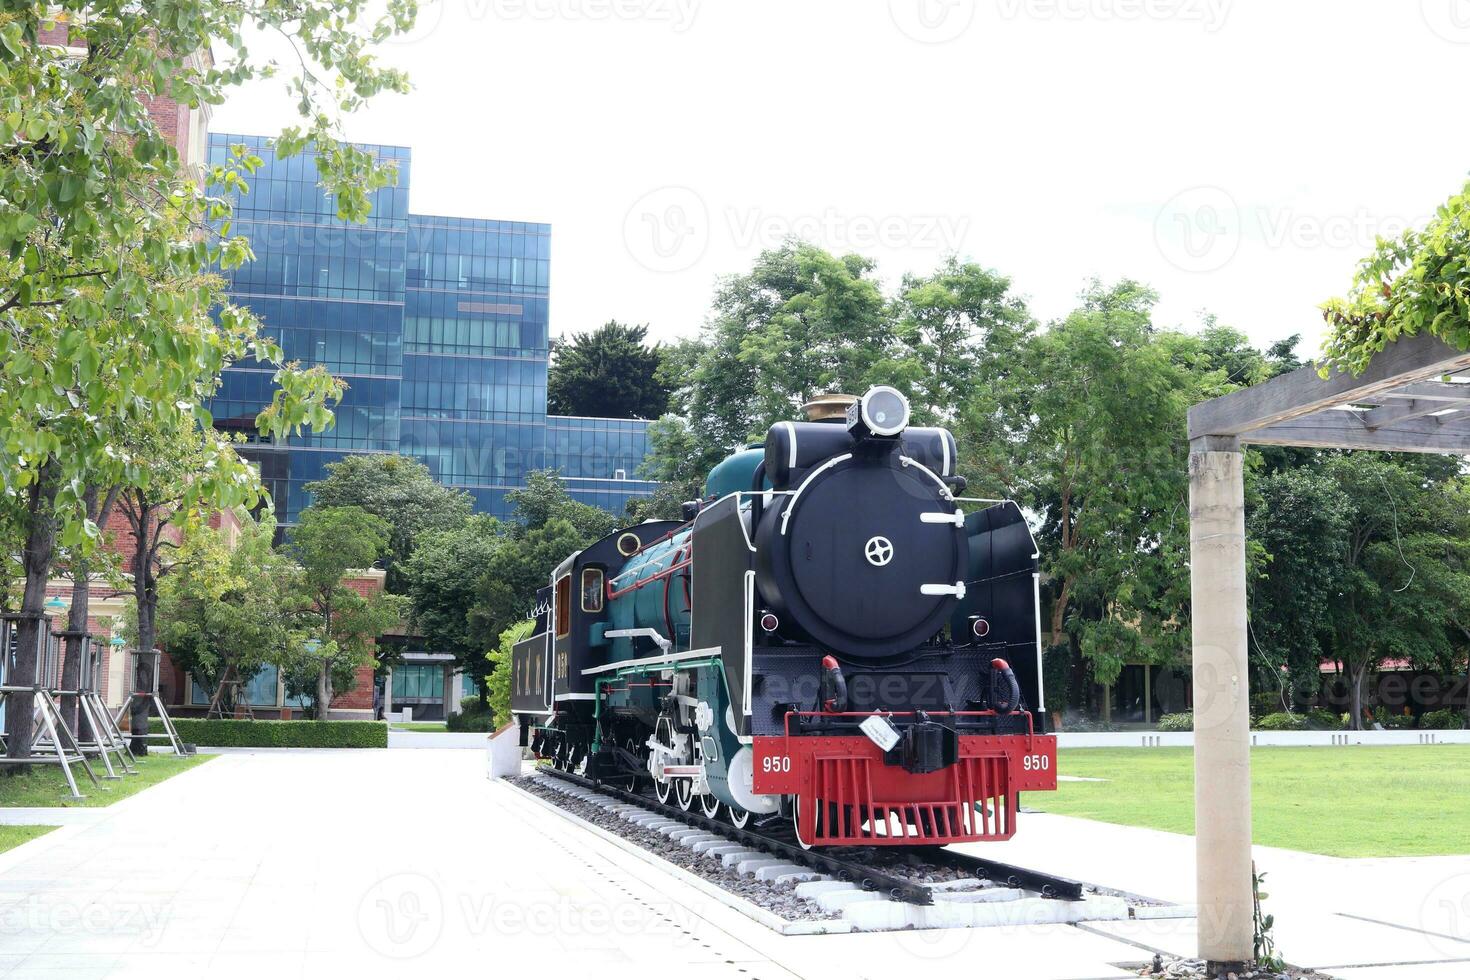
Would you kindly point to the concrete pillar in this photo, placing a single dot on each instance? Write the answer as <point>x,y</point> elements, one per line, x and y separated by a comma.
<point>387,692</point>
<point>1222,773</point>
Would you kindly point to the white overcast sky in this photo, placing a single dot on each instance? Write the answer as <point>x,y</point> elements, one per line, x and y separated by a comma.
<point>1238,155</point>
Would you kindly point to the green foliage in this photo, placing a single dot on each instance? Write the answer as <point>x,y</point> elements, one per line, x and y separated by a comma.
<point>402,492</point>
<point>1281,721</point>
<point>499,684</point>
<point>444,581</point>
<point>328,543</point>
<point>472,717</point>
<point>1444,718</point>
<point>229,732</point>
<point>1322,720</point>
<point>224,608</point>
<point>1416,283</point>
<point>1097,404</point>
<point>608,373</point>
<point>1392,719</point>
<point>552,526</point>
<point>1299,517</point>
<point>1181,722</point>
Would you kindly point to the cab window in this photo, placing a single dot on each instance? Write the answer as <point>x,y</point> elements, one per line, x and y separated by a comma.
<point>592,590</point>
<point>563,606</point>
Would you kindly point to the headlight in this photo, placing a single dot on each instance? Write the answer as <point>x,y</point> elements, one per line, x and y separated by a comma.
<point>883,411</point>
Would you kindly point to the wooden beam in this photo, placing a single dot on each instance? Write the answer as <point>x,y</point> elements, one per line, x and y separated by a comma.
<point>1302,392</point>
<point>1431,391</point>
<point>1346,430</point>
<point>1403,411</point>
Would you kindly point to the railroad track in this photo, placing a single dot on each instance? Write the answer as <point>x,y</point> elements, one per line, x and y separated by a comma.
<point>847,864</point>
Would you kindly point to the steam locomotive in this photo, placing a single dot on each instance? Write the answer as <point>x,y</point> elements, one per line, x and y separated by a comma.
<point>835,639</point>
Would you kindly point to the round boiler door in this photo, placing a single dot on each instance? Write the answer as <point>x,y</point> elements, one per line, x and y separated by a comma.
<point>860,551</point>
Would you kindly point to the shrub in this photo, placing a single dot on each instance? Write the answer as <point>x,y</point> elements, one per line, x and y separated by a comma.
<point>1443,718</point>
<point>1181,722</point>
<point>1282,722</point>
<point>1323,720</point>
<point>243,733</point>
<point>469,721</point>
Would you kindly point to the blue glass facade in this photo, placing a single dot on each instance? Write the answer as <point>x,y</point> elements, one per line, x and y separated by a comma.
<point>439,326</point>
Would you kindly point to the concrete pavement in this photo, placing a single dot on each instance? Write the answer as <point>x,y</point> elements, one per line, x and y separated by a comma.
<point>405,862</point>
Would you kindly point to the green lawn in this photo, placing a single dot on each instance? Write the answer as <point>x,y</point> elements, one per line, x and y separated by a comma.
<point>16,836</point>
<point>418,726</point>
<point>46,786</point>
<point>1344,801</point>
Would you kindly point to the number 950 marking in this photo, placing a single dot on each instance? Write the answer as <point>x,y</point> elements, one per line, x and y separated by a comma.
<point>1036,762</point>
<point>776,763</point>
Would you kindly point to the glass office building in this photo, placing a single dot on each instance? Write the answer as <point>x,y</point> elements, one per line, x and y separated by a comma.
<point>437,324</point>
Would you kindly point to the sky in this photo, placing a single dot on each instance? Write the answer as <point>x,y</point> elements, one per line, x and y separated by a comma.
<point>1238,155</point>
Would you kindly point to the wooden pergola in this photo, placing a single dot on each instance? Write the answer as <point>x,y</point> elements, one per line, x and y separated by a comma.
<point>1409,399</point>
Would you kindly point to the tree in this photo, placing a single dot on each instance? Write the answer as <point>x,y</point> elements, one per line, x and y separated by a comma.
<point>1402,581</point>
<point>1097,404</point>
<point>609,373</point>
<point>402,492</point>
<point>444,582</point>
<point>327,543</point>
<point>223,611</point>
<point>552,525</point>
<point>190,469</point>
<point>801,323</point>
<point>1299,519</point>
<point>80,564</point>
<point>106,241</point>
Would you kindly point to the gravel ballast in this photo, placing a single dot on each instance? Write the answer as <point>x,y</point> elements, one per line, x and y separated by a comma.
<point>780,898</point>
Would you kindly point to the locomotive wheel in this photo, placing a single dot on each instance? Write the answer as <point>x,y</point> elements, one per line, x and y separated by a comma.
<point>663,790</point>
<point>709,805</point>
<point>684,793</point>
<point>796,822</point>
<point>738,816</point>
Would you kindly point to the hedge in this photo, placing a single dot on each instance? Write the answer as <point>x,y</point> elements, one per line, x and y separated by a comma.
<point>232,732</point>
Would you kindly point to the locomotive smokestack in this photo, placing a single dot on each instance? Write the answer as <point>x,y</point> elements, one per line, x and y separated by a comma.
<point>828,408</point>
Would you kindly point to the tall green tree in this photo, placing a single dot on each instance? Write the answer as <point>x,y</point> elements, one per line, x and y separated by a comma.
<point>1097,406</point>
<point>444,581</point>
<point>328,543</point>
<point>1298,516</point>
<point>224,609</point>
<point>551,526</point>
<point>106,240</point>
<point>402,492</point>
<point>610,372</point>
<point>1402,583</point>
<point>801,323</point>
